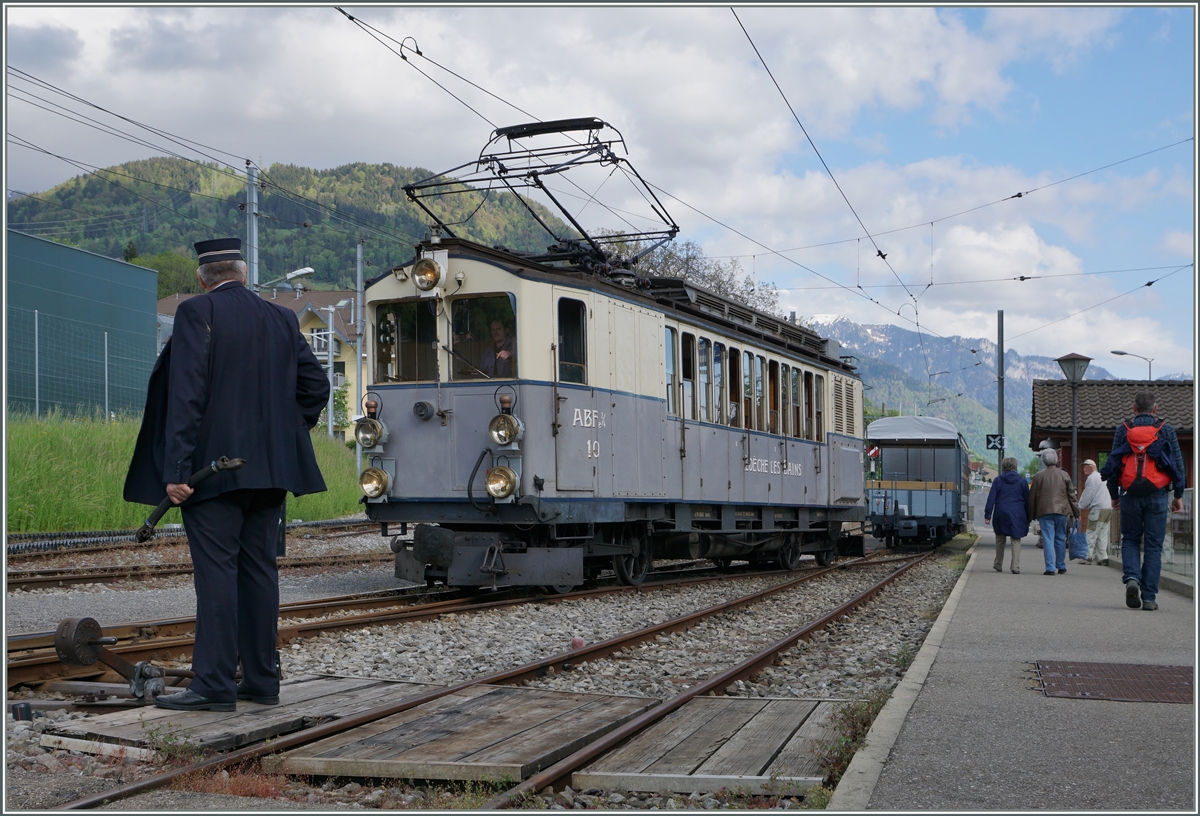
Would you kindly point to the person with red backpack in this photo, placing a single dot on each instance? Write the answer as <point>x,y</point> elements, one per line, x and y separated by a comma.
<point>1146,464</point>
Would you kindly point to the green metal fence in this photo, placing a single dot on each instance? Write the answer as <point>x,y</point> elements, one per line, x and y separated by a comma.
<point>70,366</point>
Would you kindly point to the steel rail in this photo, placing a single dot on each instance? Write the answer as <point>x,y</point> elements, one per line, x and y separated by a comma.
<point>508,676</point>
<point>38,544</point>
<point>718,683</point>
<point>66,576</point>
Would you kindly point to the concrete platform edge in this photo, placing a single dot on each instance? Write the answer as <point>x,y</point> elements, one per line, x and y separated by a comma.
<point>858,782</point>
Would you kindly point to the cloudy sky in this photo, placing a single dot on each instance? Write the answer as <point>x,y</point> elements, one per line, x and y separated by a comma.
<point>929,121</point>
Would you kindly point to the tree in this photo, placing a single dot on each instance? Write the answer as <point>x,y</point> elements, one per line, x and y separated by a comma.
<point>176,273</point>
<point>686,260</point>
<point>131,251</point>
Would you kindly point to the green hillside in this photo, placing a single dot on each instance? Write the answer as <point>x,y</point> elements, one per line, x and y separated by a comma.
<point>307,217</point>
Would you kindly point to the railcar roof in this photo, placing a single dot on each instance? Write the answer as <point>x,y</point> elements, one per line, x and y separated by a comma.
<point>674,293</point>
<point>912,427</point>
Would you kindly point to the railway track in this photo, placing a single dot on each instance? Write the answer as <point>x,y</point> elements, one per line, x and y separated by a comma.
<point>39,578</point>
<point>557,663</point>
<point>32,658</point>
<point>32,545</point>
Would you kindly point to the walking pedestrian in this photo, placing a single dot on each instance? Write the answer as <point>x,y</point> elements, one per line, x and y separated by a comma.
<point>1142,482</point>
<point>236,379</point>
<point>1052,502</point>
<point>1007,501</point>
<point>1095,514</point>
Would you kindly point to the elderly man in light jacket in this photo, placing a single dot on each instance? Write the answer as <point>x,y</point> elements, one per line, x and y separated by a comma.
<point>1052,502</point>
<point>1095,513</point>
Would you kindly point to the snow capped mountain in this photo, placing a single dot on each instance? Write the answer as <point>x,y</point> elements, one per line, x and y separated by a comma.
<point>936,376</point>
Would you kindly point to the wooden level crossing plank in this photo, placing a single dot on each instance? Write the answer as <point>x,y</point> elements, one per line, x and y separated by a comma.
<point>750,751</point>
<point>639,753</point>
<point>798,757</point>
<point>480,733</point>
<point>755,744</point>
<point>686,756</point>
<point>303,702</point>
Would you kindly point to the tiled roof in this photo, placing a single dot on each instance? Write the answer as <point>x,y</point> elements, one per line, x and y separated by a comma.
<point>343,318</point>
<point>1103,404</point>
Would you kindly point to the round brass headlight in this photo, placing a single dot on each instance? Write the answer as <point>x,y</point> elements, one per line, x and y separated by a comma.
<point>369,432</point>
<point>500,482</point>
<point>427,273</point>
<point>504,428</point>
<point>374,482</point>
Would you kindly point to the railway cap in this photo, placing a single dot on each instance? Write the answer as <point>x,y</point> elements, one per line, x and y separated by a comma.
<point>219,249</point>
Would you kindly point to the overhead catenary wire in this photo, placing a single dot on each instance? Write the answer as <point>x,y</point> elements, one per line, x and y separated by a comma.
<point>879,252</point>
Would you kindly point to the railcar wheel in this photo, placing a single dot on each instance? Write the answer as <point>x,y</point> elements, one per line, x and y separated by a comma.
<point>560,589</point>
<point>633,568</point>
<point>789,554</point>
<point>825,558</point>
<point>722,563</point>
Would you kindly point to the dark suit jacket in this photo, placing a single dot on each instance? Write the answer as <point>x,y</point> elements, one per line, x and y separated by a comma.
<point>236,379</point>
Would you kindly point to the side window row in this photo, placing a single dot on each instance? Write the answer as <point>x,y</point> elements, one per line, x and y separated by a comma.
<point>710,382</point>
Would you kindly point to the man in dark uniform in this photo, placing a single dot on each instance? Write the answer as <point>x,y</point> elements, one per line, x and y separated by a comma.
<point>236,379</point>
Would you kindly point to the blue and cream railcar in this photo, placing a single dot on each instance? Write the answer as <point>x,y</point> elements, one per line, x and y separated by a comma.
<point>540,425</point>
<point>918,480</point>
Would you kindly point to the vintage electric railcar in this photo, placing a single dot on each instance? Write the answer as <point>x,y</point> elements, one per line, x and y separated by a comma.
<point>918,482</point>
<point>542,418</point>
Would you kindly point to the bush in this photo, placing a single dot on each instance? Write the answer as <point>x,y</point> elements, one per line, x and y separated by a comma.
<point>68,473</point>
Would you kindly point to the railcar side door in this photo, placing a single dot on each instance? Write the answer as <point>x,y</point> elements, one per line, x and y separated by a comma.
<point>577,447</point>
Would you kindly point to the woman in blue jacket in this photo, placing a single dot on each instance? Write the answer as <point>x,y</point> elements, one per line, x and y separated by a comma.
<point>1007,500</point>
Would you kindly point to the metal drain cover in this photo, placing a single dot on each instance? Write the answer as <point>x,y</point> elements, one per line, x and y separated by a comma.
<point>1128,682</point>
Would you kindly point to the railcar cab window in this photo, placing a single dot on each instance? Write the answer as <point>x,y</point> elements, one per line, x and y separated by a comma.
<point>484,344</point>
<point>785,410</point>
<point>406,341</point>
<point>819,389</point>
<point>572,341</point>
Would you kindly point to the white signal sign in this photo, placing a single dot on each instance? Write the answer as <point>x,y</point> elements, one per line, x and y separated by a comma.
<point>873,452</point>
<point>995,442</point>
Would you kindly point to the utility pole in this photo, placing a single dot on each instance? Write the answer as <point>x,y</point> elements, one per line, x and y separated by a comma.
<point>329,357</point>
<point>1000,383</point>
<point>358,350</point>
<point>252,225</point>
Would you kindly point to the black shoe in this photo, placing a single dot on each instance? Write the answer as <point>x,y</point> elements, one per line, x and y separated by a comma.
<point>1149,606</point>
<point>1133,596</point>
<point>997,568</point>
<point>1062,571</point>
<point>1048,572</point>
<point>244,693</point>
<point>191,701</point>
<point>1104,563</point>
<point>1016,572</point>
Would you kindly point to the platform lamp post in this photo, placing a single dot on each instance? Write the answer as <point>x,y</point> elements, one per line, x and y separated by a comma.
<point>1074,366</point>
<point>1149,362</point>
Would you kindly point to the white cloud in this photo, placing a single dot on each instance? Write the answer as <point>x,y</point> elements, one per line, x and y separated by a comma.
<point>1179,243</point>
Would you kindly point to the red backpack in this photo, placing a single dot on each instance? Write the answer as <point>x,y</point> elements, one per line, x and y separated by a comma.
<point>1140,474</point>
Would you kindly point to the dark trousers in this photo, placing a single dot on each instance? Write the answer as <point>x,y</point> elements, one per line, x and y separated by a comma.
<point>1143,527</point>
<point>232,538</point>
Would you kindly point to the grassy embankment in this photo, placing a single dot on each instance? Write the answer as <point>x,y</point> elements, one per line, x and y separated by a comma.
<point>67,473</point>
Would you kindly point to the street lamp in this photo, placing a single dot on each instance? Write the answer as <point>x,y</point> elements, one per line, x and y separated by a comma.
<point>288,278</point>
<point>1149,361</point>
<point>1073,367</point>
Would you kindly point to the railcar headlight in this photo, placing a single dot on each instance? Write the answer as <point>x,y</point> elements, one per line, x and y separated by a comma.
<point>500,482</point>
<point>374,482</point>
<point>369,432</point>
<point>505,429</point>
<point>426,274</point>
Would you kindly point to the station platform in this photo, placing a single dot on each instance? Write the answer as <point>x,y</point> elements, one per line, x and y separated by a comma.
<point>970,727</point>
